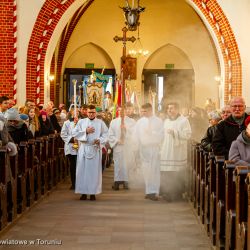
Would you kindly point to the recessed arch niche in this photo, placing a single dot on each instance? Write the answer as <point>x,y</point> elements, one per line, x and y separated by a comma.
<point>171,64</point>
<point>89,53</point>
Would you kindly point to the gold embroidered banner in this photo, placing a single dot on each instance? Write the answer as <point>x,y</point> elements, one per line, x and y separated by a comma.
<point>95,94</point>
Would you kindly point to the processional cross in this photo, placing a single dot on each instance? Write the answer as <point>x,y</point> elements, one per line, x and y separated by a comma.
<point>124,40</point>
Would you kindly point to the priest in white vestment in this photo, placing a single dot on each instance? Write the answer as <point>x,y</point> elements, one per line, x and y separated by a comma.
<point>92,135</point>
<point>177,131</point>
<point>123,153</point>
<point>148,135</point>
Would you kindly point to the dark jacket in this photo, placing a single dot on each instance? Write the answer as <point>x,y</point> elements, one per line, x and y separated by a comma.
<point>46,127</point>
<point>55,123</point>
<point>20,132</point>
<point>227,131</point>
<point>206,141</point>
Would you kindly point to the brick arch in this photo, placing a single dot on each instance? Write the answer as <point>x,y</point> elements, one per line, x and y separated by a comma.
<point>46,22</point>
<point>48,17</point>
<point>52,11</point>
<point>228,45</point>
<point>66,34</point>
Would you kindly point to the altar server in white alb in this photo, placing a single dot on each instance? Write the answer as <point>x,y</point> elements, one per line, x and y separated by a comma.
<point>70,144</point>
<point>148,135</point>
<point>177,131</point>
<point>92,135</point>
<point>123,153</point>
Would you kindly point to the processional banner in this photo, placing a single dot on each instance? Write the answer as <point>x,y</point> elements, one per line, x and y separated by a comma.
<point>95,94</point>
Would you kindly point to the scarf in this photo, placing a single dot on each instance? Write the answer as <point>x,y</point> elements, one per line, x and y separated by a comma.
<point>239,120</point>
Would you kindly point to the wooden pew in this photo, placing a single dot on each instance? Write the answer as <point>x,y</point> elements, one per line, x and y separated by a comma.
<point>241,205</point>
<point>3,187</point>
<point>230,194</point>
<point>37,169</point>
<point>248,212</point>
<point>51,161</point>
<point>56,158</point>
<point>31,172</point>
<point>220,202</point>
<point>206,191</point>
<point>202,184</point>
<point>208,188</point>
<point>193,174</point>
<point>63,161</point>
<point>197,178</point>
<point>12,188</point>
<point>212,191</point>
<point>22,177</point>
<point>44,165</point>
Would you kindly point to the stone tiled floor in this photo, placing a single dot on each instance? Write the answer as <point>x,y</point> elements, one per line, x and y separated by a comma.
<point>118,220</point>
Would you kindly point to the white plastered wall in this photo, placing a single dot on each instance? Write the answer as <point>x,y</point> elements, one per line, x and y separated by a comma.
<point>25,22</point>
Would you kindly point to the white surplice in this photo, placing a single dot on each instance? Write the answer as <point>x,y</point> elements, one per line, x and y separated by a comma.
<point>123,154</point>
<point>174,148</point>
<point>66,134</point>
<point>89,157</point>
<point>149,135</point>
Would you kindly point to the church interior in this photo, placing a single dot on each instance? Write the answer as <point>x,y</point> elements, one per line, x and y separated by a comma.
<point>109,53</point>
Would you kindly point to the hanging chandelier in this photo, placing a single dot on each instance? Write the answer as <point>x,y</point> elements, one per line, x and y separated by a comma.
<point>137,49</point>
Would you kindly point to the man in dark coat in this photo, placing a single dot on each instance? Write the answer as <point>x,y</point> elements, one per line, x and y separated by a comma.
<point>228,130</point>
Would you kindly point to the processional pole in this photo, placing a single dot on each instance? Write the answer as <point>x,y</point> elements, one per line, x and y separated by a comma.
<point>124,39</point>
<point>74,81</point>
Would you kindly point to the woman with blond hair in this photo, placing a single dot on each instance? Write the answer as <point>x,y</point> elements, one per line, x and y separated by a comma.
<point>34,124</point>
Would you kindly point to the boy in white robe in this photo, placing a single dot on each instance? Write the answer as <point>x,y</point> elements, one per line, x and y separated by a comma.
<point>149,134</point>
<point>69,149</point>
<point>123,154</point>
<point>177,131</point>
<point>92,136</point>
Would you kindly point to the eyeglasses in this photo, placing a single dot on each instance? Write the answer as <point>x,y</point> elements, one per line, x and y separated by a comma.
<point>237,106</point>
<point>91,112</point>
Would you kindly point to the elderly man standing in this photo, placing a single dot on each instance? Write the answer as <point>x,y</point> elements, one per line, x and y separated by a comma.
<point>149,134</point>
<point>92,136</point>
<point>228,130</point>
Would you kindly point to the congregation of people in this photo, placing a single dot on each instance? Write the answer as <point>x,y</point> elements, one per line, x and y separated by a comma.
<point>153,146</point>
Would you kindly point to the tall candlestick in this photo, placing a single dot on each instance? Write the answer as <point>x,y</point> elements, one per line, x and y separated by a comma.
<point>153,101</point>
<point>74,81</point>
<point>80,96</point>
